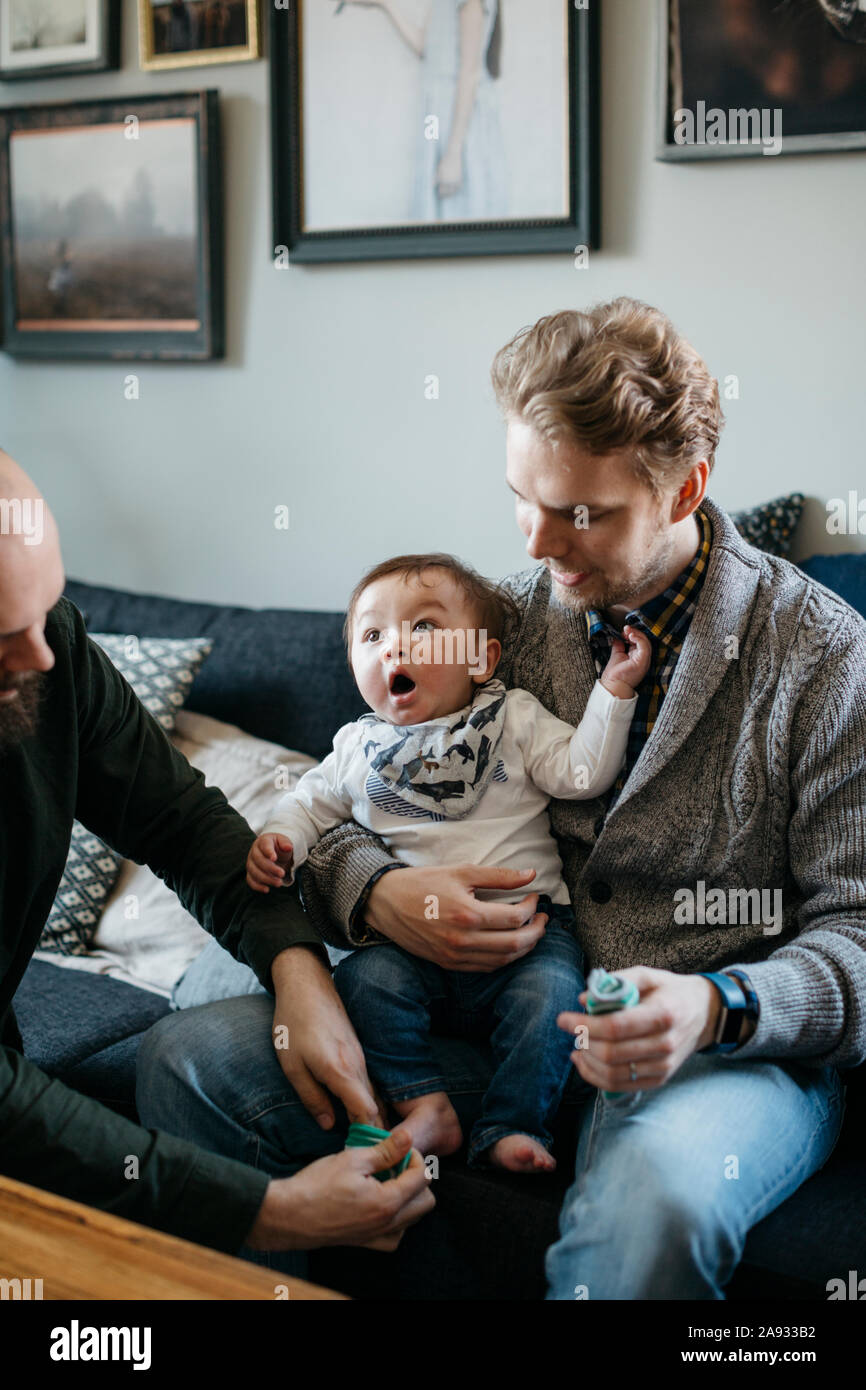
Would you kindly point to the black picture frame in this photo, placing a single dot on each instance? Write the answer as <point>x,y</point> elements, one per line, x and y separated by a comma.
<point>670,63</point>
<point>107,58</point>
<point>201,338</point>
<point>579,229</point>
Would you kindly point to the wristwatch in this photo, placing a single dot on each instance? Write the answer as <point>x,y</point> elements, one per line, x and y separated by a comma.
<point>753,1008</point>
<point>739,1001</point>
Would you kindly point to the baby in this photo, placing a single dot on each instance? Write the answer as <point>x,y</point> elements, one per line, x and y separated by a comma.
<point>452,768</point>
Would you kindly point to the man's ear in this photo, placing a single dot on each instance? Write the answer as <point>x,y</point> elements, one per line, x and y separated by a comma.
<point>494,652</point>
<point>692,491</point>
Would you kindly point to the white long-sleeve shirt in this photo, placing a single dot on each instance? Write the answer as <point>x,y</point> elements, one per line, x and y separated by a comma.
<point>539,757</point>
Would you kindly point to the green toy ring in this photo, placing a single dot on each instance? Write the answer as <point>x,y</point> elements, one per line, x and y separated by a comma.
<point>366,1137</point>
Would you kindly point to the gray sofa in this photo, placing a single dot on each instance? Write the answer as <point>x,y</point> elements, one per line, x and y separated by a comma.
<point>280,675</point>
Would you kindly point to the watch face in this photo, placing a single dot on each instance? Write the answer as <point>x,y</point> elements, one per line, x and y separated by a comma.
<point>734,1023</point>
<point>734,1007</point>
<point>732,1013</point>
<point>751,1009</point>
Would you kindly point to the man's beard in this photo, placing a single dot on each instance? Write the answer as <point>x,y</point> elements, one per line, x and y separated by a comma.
<point>614,593</point>
<point>18,717</point>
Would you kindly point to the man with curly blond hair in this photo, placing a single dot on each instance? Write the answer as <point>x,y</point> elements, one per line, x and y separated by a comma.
<point>744,779</point>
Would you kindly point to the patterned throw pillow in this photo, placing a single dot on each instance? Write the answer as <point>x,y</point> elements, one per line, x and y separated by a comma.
<point>161,672</point>
<point>771,526</point>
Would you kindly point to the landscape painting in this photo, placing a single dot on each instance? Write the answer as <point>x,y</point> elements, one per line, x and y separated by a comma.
<point>106,234</point>
<point>105,230</point>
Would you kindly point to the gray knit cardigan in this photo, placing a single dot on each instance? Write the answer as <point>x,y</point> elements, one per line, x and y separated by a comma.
<point>753,778</point>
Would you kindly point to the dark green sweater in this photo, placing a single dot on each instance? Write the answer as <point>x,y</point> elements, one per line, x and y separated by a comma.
<point>98,756</point>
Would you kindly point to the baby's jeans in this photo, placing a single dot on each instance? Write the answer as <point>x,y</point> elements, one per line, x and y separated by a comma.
<point>395,999</point>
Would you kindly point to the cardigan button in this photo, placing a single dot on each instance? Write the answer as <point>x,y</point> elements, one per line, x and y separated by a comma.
<point>600,892</point>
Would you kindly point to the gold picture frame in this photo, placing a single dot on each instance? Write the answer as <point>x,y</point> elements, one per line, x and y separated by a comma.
<point>203,20</point>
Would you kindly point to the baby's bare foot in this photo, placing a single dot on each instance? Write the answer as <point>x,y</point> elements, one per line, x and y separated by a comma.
<point>432,1122</point>
<point>520,1154</point>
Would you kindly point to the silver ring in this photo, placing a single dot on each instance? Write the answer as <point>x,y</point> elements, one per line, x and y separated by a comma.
<point>632,1071</point>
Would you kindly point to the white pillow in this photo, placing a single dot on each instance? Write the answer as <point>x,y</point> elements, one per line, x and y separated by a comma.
<point>144,935</point>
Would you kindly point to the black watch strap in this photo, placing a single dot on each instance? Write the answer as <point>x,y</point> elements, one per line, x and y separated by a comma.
<point>753,1008</point>
<point>734,1008</point>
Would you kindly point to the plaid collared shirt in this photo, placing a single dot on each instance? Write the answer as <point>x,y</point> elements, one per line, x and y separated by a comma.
<point>665,619</point>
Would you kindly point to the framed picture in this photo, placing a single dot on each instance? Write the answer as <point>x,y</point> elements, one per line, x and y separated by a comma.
<point>110,217</point>
<point>190,33</point>
<point>434,128</point>
<point>756,77</point>
<point>58,38</point>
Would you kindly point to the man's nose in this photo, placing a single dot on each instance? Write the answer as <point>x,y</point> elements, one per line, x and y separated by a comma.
<point>28,651</point>
<point>545,537</point>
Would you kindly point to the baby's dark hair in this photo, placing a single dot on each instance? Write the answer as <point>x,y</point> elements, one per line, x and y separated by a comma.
<point>494,606</point>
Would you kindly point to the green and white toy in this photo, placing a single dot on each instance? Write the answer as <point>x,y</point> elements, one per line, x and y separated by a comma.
<point>366,1137</point>
<point>605,994</point>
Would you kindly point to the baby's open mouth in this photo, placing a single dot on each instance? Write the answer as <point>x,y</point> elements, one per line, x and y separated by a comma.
<point>401,684</point>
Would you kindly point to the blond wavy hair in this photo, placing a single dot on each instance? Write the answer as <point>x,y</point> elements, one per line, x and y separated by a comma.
<point>617,376</point>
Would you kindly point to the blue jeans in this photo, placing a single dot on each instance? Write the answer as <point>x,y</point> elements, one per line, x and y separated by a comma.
<point>394,999</point>
<point>215,974</point>
<point>658,1209</point>
<point>666,1188</point>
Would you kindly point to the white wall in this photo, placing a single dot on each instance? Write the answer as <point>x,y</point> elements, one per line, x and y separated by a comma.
<point>320,403</point>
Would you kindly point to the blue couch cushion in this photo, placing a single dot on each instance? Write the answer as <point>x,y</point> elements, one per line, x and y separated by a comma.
<point>844,574</point>
<point>84,1029</point>
<point>280,674</point>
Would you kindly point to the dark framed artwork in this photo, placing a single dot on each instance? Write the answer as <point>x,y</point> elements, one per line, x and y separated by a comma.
<point>192,33</point>
<point>111,223</point>
<point>434,128</point>
<point>760,77</point>
<point>58,38</point>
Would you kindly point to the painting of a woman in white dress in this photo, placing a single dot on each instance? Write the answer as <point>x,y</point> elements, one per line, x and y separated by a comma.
<point>461,169</point>
<point>471,120</point>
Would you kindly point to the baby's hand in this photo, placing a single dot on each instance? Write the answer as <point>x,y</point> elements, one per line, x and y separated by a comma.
<point>627,665</point>
<point>267,862</point>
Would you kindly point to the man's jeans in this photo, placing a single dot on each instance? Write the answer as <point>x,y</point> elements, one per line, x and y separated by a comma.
<point>666,1187</point>
<point>394,999</point>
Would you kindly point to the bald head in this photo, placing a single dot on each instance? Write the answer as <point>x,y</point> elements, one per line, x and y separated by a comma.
<point>31,570</point>
<point>31,582</point>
